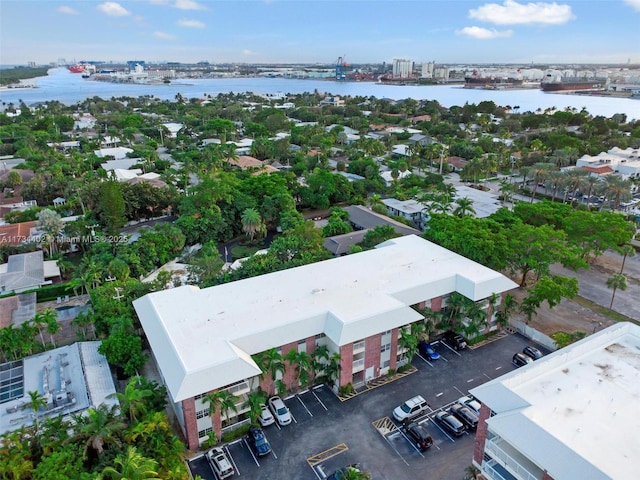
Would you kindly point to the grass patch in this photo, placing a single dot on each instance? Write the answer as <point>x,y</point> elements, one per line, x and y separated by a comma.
<point>613,315</point>
<point>243,251</point>
<point>563,339</point>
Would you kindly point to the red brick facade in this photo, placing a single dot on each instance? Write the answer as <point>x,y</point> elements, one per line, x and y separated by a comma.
<point>546,476</point>
<point>372,354</point>
<point>481,434</point>
<point>346,364</point>
<point>190,423</point>
<point>436,304</point>
<point>393,360</point>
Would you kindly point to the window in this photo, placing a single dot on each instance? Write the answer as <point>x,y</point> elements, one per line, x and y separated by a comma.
<point>302,346</point>
<point>205,432</point>
<point>385,348</point>
<point>202,395</point>
<point>202,413</point>
<point>386,363</point>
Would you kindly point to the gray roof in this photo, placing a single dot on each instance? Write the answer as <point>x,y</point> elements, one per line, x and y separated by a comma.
<point>23,271</point>
<point>341,244</point>
<point>363,218</point>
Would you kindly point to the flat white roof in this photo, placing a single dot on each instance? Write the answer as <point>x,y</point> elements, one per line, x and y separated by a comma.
<point>204,339</point>
<point>574,412</point>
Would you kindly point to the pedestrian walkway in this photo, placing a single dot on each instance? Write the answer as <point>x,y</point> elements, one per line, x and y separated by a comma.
<point>378,382</point>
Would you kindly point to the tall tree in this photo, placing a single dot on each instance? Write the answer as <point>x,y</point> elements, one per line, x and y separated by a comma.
<point>616,281</point>
<point>112,207</point>
<point>252,224</point>
<point>51,224</point>
<point>131,466</point>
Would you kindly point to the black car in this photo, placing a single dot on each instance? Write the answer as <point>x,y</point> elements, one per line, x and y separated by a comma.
<point>450,423</point>
<point>454,340</point>
<point>532,352</point>
<point>520,359</point>
<point>465,415</point>
<point>418,434</point>
<point>258,441</point>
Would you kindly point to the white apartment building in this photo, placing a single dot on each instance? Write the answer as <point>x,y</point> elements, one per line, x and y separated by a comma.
<point>356,305</point>
<point>402,67</point>
<point>623,162</point>
<point>570,415</point>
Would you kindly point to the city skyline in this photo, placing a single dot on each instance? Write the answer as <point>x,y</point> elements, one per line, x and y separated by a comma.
<point>273,31</point>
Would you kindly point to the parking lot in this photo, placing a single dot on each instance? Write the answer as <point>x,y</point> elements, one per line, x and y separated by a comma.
<point>327,434</point>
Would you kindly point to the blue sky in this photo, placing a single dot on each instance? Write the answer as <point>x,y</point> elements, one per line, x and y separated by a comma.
<point>319,31</point>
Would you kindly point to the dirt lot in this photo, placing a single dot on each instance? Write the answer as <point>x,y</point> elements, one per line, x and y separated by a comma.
<point>571,316</point>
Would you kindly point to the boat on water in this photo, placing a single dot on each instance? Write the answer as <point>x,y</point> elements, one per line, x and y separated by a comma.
<point>77,68</point>
<point>557,83</point>
<point>475,80</point>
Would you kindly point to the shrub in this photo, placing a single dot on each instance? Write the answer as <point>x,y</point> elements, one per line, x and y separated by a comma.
<point>236,433</point>
<point>346,389</point>
<point>563,339</point>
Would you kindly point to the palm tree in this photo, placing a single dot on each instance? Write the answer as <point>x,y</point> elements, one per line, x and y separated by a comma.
<point>628,251</point>
<point>38,323</point>
<point>464,207</point>
<point>302,362</point>
<point>131,466</point>
<point>616,281</point>
<point>409,342</point>
<point>617,189</point>
<point>252,224</point>
<point>221,400</point>
<point>508,307</point>
<point>352,473</point>
<point>35,403</point>
<point>506,190</point>
<point>50,318</point>
<point>529,307</point>
<point>255,400</point>
<point>540,171</point>
<point>132,400</point>
<point>99,427</point>
<point>332,369</point>
<point>270,361</point>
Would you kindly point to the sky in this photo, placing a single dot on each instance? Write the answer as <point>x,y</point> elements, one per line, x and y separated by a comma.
<point>320,31</point>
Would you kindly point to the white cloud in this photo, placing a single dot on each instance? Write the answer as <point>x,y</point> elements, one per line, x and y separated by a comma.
<point>163,36</point>
<point>190,23</point>
<point>248,53</point>
<point>67,10</point>
<point>188,5</point>
<point>484,33</point>
<point>158,2</point>
<point>113,9</point>
<point>514,13</point>
<point>635,4</point>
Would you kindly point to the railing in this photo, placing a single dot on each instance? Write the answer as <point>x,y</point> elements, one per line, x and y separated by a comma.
<point>488,470</point>
<point>238,388</point>
<point>507,460</point>
<point>358,365</point>
<point>358,347</point>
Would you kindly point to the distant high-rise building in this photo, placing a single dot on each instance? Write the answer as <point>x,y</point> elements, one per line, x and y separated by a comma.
<point>428,69</point>
<point>402,68</point>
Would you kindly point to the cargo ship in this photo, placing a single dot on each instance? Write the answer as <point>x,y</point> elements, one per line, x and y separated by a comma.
<point>77,68</point>
<point>494,82</point>
<point>556,83</point>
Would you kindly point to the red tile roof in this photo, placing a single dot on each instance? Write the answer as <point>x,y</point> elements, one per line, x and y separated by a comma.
<point>15,233</point>
<point>599,170</point>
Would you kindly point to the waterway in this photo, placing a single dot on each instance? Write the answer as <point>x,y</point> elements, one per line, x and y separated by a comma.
<point>69,88</point>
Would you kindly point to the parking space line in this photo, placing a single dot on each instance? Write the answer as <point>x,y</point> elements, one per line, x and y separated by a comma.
<point>274,453</point>
<point>443,343</point>
<point>459,391</point>
<point>319,401</point>
<point>470,380</point>
<point>412,444</point>
<point>425,361</point>
<point>303,404</point>
<point>251,452</point>
<point>487,376</point>
<point>439,394</point>
<point>440,428</point>
<point>498,368</point>
<point>442,357</point>
<point>226,448</point>
<point>427,420</point>
<point>294,418</point>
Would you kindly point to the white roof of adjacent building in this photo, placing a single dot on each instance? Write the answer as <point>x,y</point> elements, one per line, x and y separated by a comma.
<point>484,203</point>
<point>204,339</point>
<point>72,379</point>
<point>115,152</point>
<point>574,412</point>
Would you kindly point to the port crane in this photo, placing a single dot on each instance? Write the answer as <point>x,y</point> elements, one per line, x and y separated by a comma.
<point>341,68</point>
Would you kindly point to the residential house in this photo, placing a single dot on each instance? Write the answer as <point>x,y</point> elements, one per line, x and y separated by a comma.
<point>27,271</point>
<point>411,210</point>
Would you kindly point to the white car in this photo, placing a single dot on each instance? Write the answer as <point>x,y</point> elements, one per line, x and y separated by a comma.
<point>280,411</point>
<point>411,409</point>
<point>470,402</point>
<point>220,463</point>
<point>265,418</point>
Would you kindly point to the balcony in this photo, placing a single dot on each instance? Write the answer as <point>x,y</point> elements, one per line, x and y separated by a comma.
<point>238,388</point>
<point>358,365</point>
<point>521,468</point>
<point>358,347</point>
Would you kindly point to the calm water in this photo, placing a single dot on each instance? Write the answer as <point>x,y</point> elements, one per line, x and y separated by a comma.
<point>70,88</point>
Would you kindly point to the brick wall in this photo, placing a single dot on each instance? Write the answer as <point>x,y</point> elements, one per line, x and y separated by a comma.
<point>546,476</point>
<point>481,434</point>
<point>346,364</point>
<point>190,424</point>
<point>372,354</point>
<point>393,363</point>
<point>289,377</point>
<point>436,304</point>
